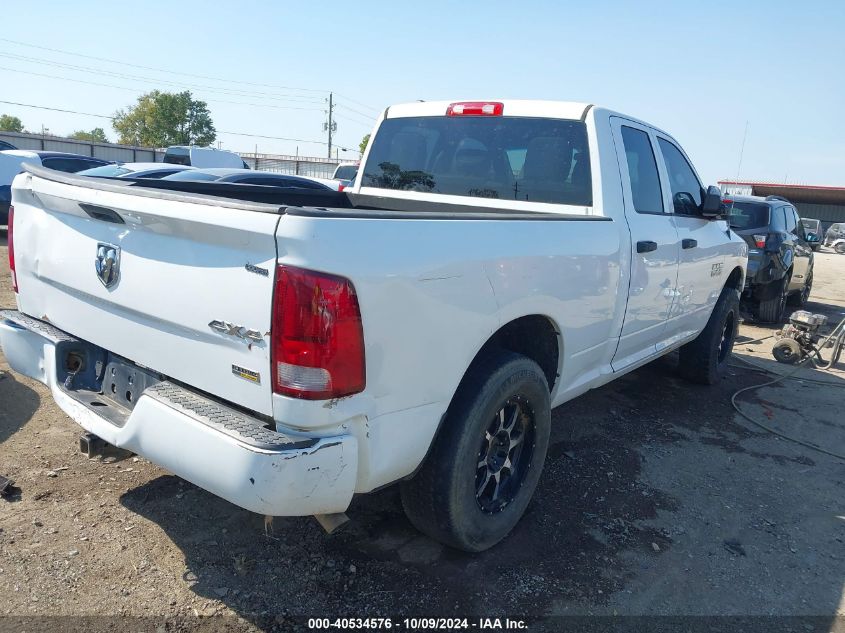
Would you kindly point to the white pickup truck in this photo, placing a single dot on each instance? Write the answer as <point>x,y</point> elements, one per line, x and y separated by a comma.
<point>492,261</point>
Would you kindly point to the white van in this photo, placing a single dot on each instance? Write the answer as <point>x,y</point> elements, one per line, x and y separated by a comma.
<point>203,157</point>
<point>345,171</point>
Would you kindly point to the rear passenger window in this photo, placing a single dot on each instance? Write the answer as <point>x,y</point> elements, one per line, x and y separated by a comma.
<point>790,219</point>
<point>505,158</point>
<point>642,170</point>
<point>686,189</point>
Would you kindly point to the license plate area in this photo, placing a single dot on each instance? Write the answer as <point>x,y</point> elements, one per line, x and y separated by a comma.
<point>104,382</point>
<point>123,383</point>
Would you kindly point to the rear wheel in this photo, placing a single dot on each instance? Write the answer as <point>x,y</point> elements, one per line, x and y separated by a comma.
<point>773,300</point>
<point>486,459</point>
<point>705,360</point>
<point>840,248</point>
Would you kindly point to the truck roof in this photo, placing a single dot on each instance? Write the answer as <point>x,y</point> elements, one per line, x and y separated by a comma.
<point>572,110</point>
<point>512,107</point>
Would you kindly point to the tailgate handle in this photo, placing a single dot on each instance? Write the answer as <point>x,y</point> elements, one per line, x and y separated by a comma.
<point>102,213</point>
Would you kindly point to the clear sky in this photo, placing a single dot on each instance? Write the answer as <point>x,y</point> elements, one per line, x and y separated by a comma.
<point>698,70</point>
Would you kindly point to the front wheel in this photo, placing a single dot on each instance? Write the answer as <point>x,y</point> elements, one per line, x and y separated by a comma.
<point>486,459</point>
<point>840,248</point>
<point>800,299</point>
<point>705,359</point>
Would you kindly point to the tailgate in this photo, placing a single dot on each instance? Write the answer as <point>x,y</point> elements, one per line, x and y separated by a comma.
<point>179,283</point>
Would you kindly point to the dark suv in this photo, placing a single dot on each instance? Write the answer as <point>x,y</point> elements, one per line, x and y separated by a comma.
<point>780,260</point>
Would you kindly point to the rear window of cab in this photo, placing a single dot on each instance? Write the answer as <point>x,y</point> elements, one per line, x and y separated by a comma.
<point>748,215</point>
<point>505,158</point>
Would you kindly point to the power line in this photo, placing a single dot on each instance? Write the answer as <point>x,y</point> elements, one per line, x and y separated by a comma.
<point>118,75</point>
<point>359,119</point>
<point>366,116</point>
<point>161,70</point>
<point>102,85</point>
<point>29,105</point>
<point>361,123</point>
<point>363,105</point>
<point>104,116</point>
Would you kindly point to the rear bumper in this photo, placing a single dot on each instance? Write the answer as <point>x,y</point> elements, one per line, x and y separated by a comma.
<point>216,447</point>
<point>760,272</point>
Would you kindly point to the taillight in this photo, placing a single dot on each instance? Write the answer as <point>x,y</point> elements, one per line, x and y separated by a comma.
<point>476,108</point>
<point>760,241</point>
<point>11,245</point>
<point>317,340</point>
<point>341,187</point>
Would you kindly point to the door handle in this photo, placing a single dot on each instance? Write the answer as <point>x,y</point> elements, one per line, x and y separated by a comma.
<point>645,246</point>
<point>689,243</point>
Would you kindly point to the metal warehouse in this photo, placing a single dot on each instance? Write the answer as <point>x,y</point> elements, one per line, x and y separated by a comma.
<point>812,201</point>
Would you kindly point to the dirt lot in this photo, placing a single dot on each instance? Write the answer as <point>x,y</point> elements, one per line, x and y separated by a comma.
<point>656,499</point>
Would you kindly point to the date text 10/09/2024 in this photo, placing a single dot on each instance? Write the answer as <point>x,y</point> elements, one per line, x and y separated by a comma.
<point>418,624</point>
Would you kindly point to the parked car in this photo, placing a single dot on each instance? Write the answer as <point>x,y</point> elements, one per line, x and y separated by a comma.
<point>10,166</point>
<point>813,230</point>
<point>501,258</point>
<point>834,232</point>
<point>345,171</point>
<point>134,170</point>
<point>202,157</point>
<point>252,177</point>
<point>780,259</point>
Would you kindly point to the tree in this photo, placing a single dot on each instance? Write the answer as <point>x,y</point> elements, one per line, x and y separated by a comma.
<point>364,142</point>
<point>161,119</point>
<point>9,123</point>
<point>97,135</point>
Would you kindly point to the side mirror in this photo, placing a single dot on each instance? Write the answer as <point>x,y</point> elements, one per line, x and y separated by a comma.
<point>711,206</point>
<point>684,203</point>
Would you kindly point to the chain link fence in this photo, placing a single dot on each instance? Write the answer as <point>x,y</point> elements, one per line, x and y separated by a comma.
<point>104,151</point>
<point>295,165</point>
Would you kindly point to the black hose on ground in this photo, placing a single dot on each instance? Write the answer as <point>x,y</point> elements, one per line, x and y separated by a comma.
<point>837,334</point>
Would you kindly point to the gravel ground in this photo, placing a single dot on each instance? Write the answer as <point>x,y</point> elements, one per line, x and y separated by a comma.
<point>656,499</point>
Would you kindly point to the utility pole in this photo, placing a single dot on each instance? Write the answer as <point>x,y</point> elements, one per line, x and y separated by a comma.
<point>741,151</point>
<point>331,125</point>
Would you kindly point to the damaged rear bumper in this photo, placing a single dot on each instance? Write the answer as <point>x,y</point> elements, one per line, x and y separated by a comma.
<point>229,453</point>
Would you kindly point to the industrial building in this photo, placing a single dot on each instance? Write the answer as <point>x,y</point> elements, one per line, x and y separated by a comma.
<point>822,203</point>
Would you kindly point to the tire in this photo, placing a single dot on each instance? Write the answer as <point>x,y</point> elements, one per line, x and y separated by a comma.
<point>705,359</point>
<point>787,351</point>
<point>800,299</point>
<point>453,497</point>
<point>773,300</point>
<point>840,248</point>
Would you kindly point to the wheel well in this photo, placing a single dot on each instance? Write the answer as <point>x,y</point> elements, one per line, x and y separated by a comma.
<point>533,336</point>
<point>734,279</point>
